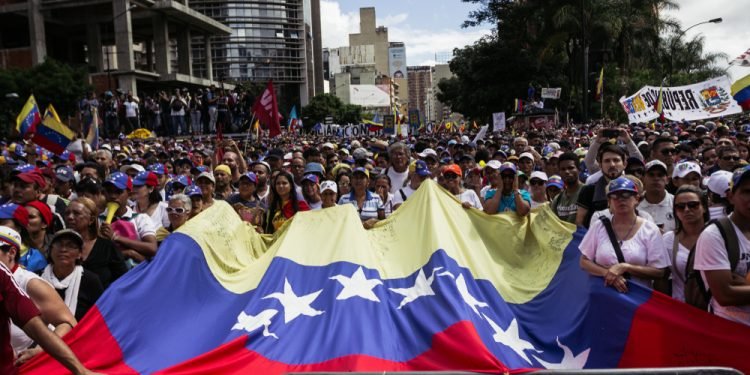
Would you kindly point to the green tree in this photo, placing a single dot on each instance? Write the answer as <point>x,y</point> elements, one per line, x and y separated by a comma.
<point>320,106</point>
<point>349,114</point>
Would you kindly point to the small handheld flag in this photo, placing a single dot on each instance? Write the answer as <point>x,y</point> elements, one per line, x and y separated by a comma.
<point>29,118</point>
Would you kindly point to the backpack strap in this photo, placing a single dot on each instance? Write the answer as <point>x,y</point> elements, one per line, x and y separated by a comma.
<point>732,243</point>
<point>403,196</point>
<point>613,239</point>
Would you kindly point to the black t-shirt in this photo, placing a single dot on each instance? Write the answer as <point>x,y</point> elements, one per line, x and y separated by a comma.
<point>89,291</point>
<point>593,198</point>
<point>105,261</point>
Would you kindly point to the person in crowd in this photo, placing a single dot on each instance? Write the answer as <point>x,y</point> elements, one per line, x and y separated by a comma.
<point>344,181</point>
<point>728,157</point>
<point>223,177</point>
<point>538,188</point>
<point>451,181</point>
<point>37,236</point>
<point>196,199</point>
<point>147,199</point>
<point>297,168</point>
<point>554,187</point>
<point>643,256</point>
<point>473,180</point>
<point>178,209</point>
<point>664,150</point>
<point>53,310</point>
<point>687,173</point>
<point>162,178</point>
<point>398,170</point>
<point>717,188</point>
<point>64,182</point>
<point>593,197</point>
<point>656,200</point>
<point>526,163</point>
<point>729,287</point>
<point>635,167</point>
<point>383,189</point>
<point>508,197</point>
<point>92,189</point>
<point>328,194</point>
<point>263,171</point>
<point>98,255</point>
<point>708,158</point>
<point>591,158</point>
<point>78,287</point>
<point>284,202</point>
<point>206,182</point>
<point>178,106</point>
<point>311,191</point>
<point>247,194</point>
<point>368,205</point>
<point>133,233</point>
<point>691,216</point>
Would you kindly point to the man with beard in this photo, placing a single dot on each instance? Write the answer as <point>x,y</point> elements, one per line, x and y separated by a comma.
<point>235,163</point>
<point>593,197</point>
<point>262,170</point>
<point>223,176</point>
<point>565,204</point>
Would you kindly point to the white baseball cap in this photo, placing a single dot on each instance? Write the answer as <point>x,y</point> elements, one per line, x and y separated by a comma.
<point>526,155</point>
<point>494,164</point>
<point>718,182</point>
<point>328,185</point>
<point>10,237</point>
<point>428,152</point>
<point>538,174</point>
<point>685,168</point>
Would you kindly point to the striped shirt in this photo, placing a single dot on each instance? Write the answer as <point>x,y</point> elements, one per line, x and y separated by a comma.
<point>369,208</point>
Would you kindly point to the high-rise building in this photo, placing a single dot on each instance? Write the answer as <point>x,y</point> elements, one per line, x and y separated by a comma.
<point>270,40</point>
<point>437,110</point>
<point>420,82</point>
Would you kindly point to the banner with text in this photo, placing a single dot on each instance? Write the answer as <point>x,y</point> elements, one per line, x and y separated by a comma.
<point>699,101</point>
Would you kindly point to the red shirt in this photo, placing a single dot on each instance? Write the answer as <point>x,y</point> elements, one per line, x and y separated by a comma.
<point>16,306</point>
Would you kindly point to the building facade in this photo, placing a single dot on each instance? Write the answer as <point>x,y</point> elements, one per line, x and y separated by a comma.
<point>420,83</point>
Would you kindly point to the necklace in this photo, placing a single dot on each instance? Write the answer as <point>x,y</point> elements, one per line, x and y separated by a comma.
<point>629,230</point>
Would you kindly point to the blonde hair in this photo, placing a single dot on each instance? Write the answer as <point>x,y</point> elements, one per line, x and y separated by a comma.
<point>91,206</point>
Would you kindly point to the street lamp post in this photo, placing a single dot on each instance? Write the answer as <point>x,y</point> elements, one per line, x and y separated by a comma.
<point>677,38</point>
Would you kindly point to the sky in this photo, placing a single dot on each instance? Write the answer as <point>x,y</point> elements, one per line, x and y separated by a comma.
<point>432,28</point>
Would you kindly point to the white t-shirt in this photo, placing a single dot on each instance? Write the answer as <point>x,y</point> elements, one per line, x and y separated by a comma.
<point>678,266</point>
<point>717,212</point>
<point>470,196</point>
<point>645,248</point>
<point>18,338</point>
<point>397,179</point>
<point>594,178</point>
<point>398,198</point>
<point>535,204</point>
<point>710,255</point>
<point>131,109</point>
<point>661,212</point>
<point>315,206</point>
<point>606,213</point>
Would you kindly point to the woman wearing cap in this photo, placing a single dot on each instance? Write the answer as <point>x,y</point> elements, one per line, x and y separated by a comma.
<point>284,203</point>
<point>328,194</point>
<point>40,223</point>
<point>79,287</point>
<point>99,255</point>
<point>54,311</point>
<point>196,199</point>
<point>538,188</point>
<point>452,182</point>
<point>508,197</point>
<point>147,198</point>
<point>691,215</point>
<point>643,254</point>
<point>366,203</point>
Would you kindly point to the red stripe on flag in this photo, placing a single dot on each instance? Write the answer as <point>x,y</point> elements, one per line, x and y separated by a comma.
<point>458,347</point>
<point>665,333</point>
<point>102,354</point>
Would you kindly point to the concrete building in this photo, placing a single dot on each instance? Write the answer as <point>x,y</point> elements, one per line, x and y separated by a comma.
<point>420,83</point>
<point>370,34</point>
<point>132,45</point>
<point>270,40</point>
<point>436,110</point>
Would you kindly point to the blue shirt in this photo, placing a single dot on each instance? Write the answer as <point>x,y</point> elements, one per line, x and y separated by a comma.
<point>508,202</point>
<point>369,208</point>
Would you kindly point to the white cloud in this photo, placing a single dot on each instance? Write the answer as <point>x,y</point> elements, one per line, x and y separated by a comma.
<point>421,45</point>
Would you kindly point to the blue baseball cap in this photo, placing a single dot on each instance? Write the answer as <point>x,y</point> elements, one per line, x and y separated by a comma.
<point>507,166</point>
<point>739,176</point>
<point>64,174</point>
<point>313,167</point>
<point>421,169</point>
<point>193,191</point>
<point>621,184</point>
<point>24,168</point>
<point>555,181</point>
<point>147,178</point>
<point>310,177</point>
<point>119,180</point>
<point>182,180</point>
<point>250,176</point>
<point>361,170</point>
<point>157,168</point>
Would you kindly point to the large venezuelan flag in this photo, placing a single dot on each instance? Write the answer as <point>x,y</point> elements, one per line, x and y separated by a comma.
<point>434,287</point>
<point>741,92</point>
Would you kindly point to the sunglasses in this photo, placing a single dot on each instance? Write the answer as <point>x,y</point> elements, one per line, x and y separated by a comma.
<point>730,158</point>
<point>669,151</point>
<point>622,195</point>
<point>450,176</point>
<point>536,182</point>
<point>176,210</point>
<point>5,248</point>
<point>691,205</point>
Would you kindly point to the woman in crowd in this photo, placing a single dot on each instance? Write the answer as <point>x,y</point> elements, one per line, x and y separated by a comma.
<point>368,205</point>
<point>643,255</point>
<point>99,255</point>
<point>284,202</point>
<point>383,189</point>
<point>148,199</point>
<point>343,181</point>
<point>92,189</point>
<point>178,209</point>
<point>452,182</point>
<point>473,180</point>
<point>196,200</point>
<point>690,210</point>
<point>538,188</point>
<point>40,220</point>
<point>77,286</point>
<point>716,190</point>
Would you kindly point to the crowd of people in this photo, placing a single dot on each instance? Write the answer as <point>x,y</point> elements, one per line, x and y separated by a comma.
<point>657,200</point>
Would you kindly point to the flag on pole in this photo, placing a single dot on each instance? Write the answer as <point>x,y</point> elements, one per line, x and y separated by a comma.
<point>600,85</point>
<point>659,105</point>
<point>742,60</point>
<point>52,134</point>
<point>92,136</point>
<point>266,109</point>
<point>293,119</point>
<point>51,110</point>
<point>518,106</point>
<point>741,92</point>
<point>29,118</point>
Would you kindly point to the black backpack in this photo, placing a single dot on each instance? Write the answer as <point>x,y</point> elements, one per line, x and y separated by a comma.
<point>177,104</point>
<point>695,290</point>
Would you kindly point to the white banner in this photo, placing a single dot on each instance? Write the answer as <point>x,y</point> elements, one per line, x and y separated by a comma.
<point>551,93</point>
<point>698,101</point>
<point>347,131</point>
<point>482,132</point>
<point>498,122</point>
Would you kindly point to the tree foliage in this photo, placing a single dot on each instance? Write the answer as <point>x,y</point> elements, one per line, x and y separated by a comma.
<point>323,105</point>
<point>542,44</point>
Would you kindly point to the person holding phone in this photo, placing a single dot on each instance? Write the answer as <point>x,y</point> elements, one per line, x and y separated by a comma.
<point>604,135</point>
<point>508,197</point>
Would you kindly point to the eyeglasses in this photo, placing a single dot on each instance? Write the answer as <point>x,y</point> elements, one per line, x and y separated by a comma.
<point>5,248</point>
<point>622,195</point>
<point>536,182</point>
<point>730,158</point>
<point>669,151</point>
<point>176,210</point>
<point>691,205</point>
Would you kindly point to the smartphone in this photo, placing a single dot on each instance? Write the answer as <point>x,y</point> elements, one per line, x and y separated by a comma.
<point>611,133</point>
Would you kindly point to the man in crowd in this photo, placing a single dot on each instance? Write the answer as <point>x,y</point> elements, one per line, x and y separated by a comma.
<point>398,171</point>
<point>593,197</point>
<point>657,202</point>
<point>223,178</point>
<point>565,204</point>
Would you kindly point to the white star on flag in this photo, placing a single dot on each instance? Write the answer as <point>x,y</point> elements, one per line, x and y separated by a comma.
<point>463,290</point>
<point>295,305</point>
<point>358,285</point>
<point>250,323</point>
<point>422,287</point>
<point>569,361</point>
<point>511,338</point>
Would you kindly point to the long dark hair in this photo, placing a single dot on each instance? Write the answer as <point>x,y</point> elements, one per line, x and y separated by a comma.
<point>685,189</point>
<point>276,203</point>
